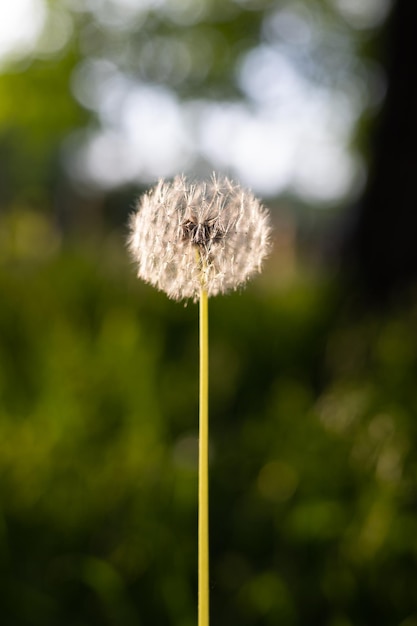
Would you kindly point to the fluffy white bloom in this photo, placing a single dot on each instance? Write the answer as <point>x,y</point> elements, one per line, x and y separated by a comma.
<point>185,236</point>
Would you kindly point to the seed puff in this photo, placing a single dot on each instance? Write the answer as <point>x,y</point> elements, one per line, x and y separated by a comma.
<point>185,236</point>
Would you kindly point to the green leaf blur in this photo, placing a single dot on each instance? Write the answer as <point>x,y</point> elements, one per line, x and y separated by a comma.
<point>312,461</point>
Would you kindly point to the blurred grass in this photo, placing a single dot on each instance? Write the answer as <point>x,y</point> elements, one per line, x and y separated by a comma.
<point>313,463</point>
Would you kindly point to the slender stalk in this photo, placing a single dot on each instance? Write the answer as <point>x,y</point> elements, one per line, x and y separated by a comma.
<point>203,473</point>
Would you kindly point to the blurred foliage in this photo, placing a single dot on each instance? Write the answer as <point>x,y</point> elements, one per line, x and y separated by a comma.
<point>313,467</point>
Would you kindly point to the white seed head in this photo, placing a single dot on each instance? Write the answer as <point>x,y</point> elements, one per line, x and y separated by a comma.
<point>187,235</point>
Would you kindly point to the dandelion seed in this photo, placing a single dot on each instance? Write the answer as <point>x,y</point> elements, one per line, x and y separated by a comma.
<point>185,235</point>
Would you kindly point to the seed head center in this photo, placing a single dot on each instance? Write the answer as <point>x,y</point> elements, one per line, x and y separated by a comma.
<point>202,234</point>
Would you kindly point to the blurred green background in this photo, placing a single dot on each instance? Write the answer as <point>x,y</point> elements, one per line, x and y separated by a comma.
<point>312,392</point>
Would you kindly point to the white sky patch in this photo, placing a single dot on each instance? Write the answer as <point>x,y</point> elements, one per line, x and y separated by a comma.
<point>146,139</point>
<point>266,75</point>
<point>291,24</point>
<point>21,23</point>
<point>290,136</point>
<point>300,149</point>
<point>248,144</point>
<point>324,172</point>
<point>154,122</point>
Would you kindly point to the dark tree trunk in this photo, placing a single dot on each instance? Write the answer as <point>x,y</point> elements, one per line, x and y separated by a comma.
<point>383,244</point>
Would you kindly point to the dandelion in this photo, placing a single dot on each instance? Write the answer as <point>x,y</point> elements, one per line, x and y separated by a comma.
<point>186,235</point>
<point>195,240</point>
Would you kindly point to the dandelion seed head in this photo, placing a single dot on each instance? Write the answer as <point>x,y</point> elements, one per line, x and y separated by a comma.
<point>187,235</point>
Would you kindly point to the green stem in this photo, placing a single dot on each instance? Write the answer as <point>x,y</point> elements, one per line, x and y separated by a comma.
<point>203,473</point>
